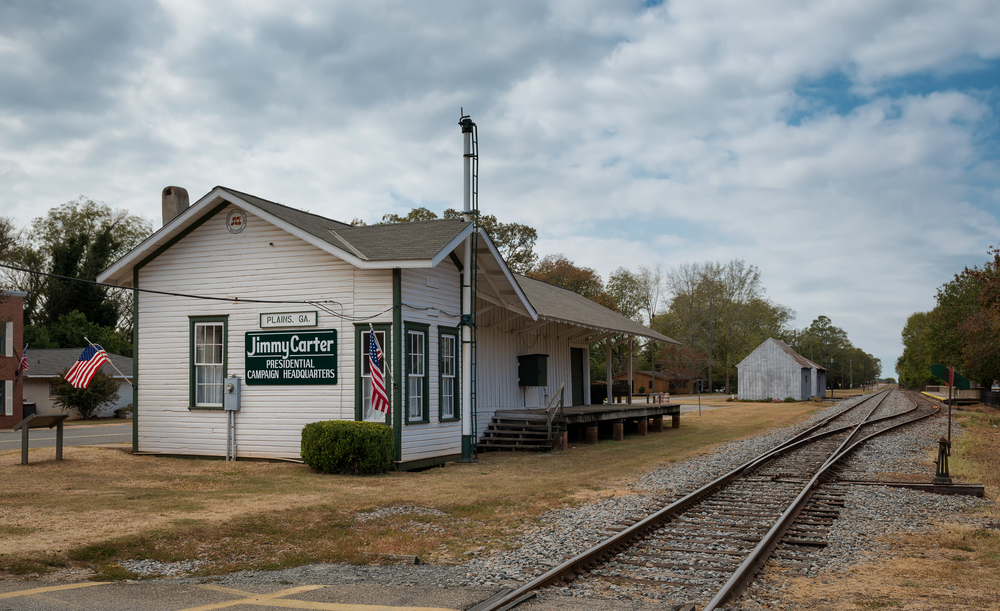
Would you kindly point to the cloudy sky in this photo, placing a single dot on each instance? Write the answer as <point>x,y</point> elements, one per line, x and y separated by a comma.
<point>847,148</point>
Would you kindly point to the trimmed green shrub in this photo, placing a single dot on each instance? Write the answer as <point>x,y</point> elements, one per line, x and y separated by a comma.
<point>345,446</point>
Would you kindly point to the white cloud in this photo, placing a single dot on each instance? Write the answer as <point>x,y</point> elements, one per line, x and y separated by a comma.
<point>623,134</point>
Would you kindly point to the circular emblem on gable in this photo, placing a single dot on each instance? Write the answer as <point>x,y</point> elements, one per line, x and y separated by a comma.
<point>236,221</point>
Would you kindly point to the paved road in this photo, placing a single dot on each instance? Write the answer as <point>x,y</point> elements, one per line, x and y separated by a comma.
<point>167,596</point>
<point>79,435</point>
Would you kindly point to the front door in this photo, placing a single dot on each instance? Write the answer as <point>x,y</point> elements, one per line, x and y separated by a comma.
<point>576,369</point>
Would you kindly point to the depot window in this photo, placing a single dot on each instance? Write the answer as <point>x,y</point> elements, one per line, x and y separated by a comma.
<point>208,360</point>
<point>417,381</point>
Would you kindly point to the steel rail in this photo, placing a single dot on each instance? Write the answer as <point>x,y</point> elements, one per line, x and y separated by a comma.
<point>863,422</point>
<point>588,559</point>
<point>748,569</point>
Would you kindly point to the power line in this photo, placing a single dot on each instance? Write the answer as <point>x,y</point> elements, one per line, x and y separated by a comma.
<point>322,304</point>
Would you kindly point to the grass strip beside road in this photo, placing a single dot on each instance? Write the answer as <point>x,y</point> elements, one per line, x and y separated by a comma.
<point>100,507</point>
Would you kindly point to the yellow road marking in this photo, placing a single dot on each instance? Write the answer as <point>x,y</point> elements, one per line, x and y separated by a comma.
<point>50,589</point>
<point>272,600</point>
<point>236,592</point>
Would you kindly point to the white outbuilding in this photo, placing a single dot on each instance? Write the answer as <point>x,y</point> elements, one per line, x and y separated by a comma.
<point>775,371</point>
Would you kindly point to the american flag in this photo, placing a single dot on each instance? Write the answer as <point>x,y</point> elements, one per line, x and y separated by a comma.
<point>380,401</point>
<point>24,360</point>
<point>86,366</point>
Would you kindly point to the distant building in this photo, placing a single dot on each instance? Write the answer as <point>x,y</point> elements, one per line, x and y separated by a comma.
<point>775,371</point>
<point>47,366</point>
<point>11,345</point>
<point>658,381</point>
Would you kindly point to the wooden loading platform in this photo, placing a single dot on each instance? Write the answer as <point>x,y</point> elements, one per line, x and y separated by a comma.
<point>533,430</point>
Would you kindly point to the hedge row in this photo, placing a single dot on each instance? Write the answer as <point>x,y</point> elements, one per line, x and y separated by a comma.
<point>344,446</point>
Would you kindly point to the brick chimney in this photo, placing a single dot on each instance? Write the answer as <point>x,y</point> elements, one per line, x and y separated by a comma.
<point>175,201</point>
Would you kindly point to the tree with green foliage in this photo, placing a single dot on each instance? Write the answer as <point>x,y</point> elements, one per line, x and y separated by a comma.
<point>417,214</point>
<point>8,238</point>
<point>914,366</point>
<point>980,331</point>
<point>8,243</point>
<point>514,241</point>
<point>102,390</point>
<point>957,302</point>
<point>822,341</point>
<point>559,271</point>
<point>720,311</point>
<point>960,331</point>
<point>828,345</point>
<point>84,257</point>
<point>747,317</point>
<point>625,288</point>
<point>77,240</point>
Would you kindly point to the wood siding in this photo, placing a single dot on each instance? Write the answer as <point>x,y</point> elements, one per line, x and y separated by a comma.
<point>498,346</point>
<point>263,262</point>
<point>266,263</point>
<point>770,373</point>
<point>432,297</point>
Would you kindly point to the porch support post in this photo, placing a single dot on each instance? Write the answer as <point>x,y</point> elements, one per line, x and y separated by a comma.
<point>630,345</point>
<point>607,361</point>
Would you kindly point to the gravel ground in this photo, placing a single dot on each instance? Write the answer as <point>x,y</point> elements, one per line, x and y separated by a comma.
<point>870,511</point>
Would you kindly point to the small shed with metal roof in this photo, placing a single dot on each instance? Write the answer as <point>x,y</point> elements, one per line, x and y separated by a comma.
<point>235,285</point>
<point>775,371</point>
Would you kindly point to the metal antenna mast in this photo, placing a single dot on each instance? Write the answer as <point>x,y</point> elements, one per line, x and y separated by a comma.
<point>470,430</point>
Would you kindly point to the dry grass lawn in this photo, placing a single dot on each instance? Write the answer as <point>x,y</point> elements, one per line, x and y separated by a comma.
<point>104,505</point>
<point>101,506</point>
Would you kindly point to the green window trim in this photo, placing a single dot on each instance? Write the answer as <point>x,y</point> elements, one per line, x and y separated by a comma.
<point>193,322</point>
<point>360,358</point>
<point>453,335</point>
<point>417,375</point>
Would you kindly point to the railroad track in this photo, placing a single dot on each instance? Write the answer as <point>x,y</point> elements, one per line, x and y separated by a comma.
<point>706,547</point>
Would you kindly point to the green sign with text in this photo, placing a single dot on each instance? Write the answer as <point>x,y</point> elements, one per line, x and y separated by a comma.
<point>281,358</point>
<point>942,372</point>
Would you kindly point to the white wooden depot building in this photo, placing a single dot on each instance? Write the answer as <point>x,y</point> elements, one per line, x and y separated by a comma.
<point>295,296</point>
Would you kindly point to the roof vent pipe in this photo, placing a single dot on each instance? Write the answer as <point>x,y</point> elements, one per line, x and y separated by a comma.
<point>175,201</point>
<point>467,125</point>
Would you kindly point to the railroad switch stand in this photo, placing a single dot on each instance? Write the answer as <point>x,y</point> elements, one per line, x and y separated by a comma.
<point>944,451</point>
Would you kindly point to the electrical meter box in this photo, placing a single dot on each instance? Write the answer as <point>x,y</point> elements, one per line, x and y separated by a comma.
<point>533,370</point>
<point>231,394</point>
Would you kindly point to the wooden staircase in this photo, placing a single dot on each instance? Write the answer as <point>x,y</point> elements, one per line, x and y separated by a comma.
<point>524,430</point>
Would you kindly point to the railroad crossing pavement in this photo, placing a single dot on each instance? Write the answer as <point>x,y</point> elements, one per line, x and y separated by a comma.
<point>73,435</point>
<point>174,596</point>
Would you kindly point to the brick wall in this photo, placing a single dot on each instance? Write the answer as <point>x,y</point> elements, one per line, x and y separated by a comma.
<point>12,310</point>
